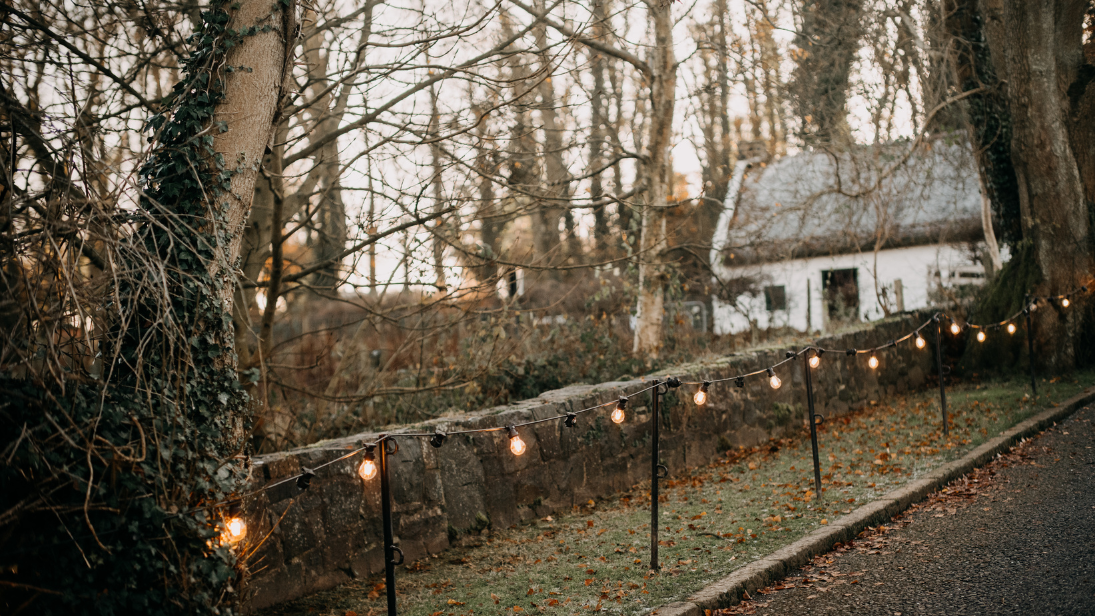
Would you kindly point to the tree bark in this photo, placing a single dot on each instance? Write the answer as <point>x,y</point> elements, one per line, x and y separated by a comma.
<point>828,43</point>
<point>989,119</point>
<point>663,89</point>
<point>249,110</point>
<point>556,188</point>
<point>598,119</point>
<point>1039,46</point>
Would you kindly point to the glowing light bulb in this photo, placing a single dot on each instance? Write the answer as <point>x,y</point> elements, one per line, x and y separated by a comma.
<point>956,329</point>
<point>873,362</point>
<point>1065,303</point>
<point>516,445</point>
<point>235,530</point>
<point>920,342</point>
<point>618,412</point>
<point>701,395</point>
<point>815,361</point>
<point>980,336</point>
<point>1011,328</point>
<point>367,469</point>
<point>773,380</point>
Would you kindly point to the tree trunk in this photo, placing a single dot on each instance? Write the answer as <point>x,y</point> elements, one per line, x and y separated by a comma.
<point>598,120</point>
<point>438,189</point>
<point>556,189</point>
<point>828,43</point>
<point>248,112</point>
<point>988,117</point>
<point>490,227</point>
<point>663,89</point>
<point>1039,46</point>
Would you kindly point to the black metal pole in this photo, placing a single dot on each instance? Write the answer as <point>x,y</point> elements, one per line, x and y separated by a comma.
<point>655,395</point>
<point>939,365</point>
<point>1030,352</point>
<point>813,424</point>
<point>389,540</point>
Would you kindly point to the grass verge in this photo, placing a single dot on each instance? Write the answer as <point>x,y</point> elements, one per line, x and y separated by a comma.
<point>743,506</point>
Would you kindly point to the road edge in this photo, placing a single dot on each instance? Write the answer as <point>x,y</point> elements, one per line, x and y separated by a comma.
<point>775,566</point>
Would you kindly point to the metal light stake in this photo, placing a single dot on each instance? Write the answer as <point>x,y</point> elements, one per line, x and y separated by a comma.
<point>939,365</point>
<point>655,471</point>
<point>813,423</point>
<point>1030,347</point>
<point>388,446</point>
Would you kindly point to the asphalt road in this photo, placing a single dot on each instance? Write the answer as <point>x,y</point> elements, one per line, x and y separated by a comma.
<point>1018,540</point>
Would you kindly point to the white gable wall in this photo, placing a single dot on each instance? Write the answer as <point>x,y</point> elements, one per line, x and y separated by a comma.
<point>914,266</point>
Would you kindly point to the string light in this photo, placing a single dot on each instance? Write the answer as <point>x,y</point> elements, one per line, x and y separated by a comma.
<point>618,412</point>
<point>367,469</point>
<point>701,395</point>
<point>304,481</point>
<point>235,530</point>
<point>516,445</point>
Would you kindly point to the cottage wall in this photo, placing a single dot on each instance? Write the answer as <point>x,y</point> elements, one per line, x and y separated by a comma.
<point>914,266</point>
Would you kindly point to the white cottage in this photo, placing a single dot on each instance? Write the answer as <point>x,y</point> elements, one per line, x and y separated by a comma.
<point>816,240</point>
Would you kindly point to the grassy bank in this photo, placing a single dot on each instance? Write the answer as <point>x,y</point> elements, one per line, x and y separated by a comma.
<point>743,506</point>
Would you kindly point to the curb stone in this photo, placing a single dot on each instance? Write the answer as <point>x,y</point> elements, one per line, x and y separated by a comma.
<point>778,564</point>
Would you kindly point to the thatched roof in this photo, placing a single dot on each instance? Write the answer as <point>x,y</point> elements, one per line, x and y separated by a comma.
<point>818,203</point>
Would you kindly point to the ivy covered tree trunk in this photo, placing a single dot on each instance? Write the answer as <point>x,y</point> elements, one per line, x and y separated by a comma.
<point>989,118</point>
<point>1038,47</point>
<point>115,485</point>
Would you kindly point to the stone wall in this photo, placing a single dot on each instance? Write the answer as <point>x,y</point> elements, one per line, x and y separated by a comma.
<point>331,533</point>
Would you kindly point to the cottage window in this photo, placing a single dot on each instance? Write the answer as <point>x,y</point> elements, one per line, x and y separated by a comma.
<point>775,298</point>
